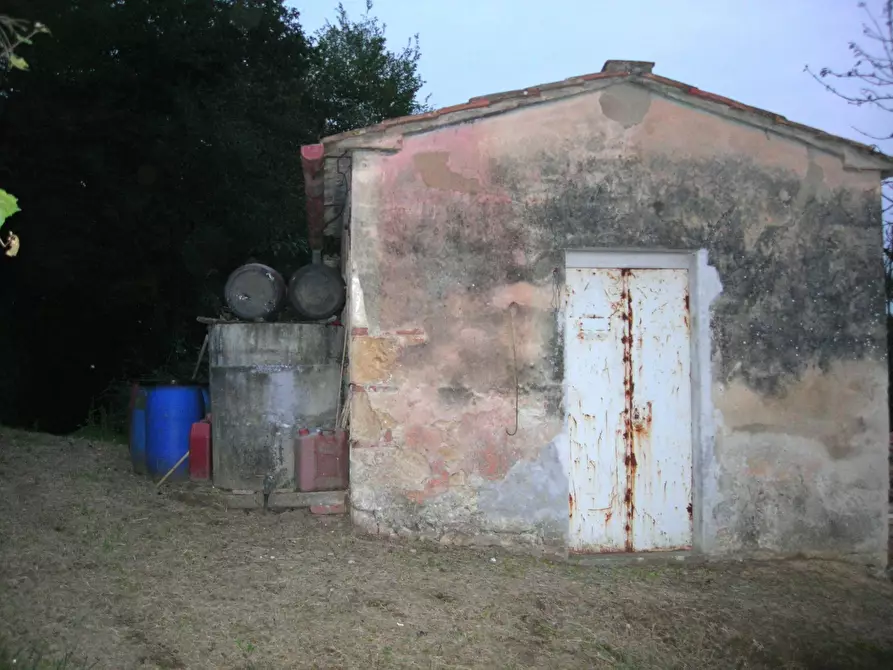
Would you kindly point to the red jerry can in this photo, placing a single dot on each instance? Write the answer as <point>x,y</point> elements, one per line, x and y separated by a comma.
<point>322,461</point>
<point>200,450</point>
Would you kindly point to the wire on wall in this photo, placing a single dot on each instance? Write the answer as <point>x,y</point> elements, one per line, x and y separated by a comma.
<point>342,182</point>
<point>338,417</point>
<point>556,289</point>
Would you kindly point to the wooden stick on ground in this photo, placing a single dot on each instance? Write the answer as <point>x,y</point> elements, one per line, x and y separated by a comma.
<point>171,471</point>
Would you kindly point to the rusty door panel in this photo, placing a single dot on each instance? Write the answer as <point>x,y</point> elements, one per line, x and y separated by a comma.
<point>661,410</point>
<point>628,409</point>
<point>595,409</point>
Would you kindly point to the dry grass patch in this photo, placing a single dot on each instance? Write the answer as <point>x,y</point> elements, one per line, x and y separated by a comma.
<point>94,563</point>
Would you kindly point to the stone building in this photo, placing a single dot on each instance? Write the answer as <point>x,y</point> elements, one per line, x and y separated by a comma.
<point>613,314</point>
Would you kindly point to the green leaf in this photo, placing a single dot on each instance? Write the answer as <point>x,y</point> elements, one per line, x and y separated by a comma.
<point>8,205</point>
<point>18,62</point>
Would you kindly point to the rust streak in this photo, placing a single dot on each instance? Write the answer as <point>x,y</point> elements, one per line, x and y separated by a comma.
<point>629,389</point>
<point>570,503</point>
<point>594,550</point>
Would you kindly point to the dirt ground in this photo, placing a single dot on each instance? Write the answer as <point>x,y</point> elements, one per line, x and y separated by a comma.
<point>95,563</point>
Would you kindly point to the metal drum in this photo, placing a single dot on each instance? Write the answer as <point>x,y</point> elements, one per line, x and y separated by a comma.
<point>317,292</point>
<point>254,292</point>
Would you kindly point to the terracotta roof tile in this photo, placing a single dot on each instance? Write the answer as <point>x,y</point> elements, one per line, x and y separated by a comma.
<point>601,75</point>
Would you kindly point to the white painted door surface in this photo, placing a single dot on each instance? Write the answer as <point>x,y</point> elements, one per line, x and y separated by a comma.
<point>629,409</point>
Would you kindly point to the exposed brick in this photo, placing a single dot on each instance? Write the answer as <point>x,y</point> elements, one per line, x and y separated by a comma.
<point>359,332</point>
<point>410,337</point>
<point>328,509</point>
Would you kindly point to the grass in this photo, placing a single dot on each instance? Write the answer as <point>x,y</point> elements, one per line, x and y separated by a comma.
<point>102,426</point>
<point>99,570</point>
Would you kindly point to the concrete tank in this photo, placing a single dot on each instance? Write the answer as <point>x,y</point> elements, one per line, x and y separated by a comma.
<point>269,380</point>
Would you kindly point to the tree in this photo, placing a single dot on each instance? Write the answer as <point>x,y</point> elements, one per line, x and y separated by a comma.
<point>359,82</point>
<point>13,34</point>
<point>156,143</point>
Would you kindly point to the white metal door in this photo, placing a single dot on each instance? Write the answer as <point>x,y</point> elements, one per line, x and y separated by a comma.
<point>629,409</point>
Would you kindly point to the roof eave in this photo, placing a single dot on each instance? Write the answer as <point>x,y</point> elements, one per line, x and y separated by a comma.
<point>869,159</point>
<point>388,135</point>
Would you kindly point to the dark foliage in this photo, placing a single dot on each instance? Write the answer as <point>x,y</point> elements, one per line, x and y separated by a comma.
<point>153,146</point>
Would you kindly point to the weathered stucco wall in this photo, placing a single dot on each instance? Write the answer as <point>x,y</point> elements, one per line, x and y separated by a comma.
<point>463,221</point>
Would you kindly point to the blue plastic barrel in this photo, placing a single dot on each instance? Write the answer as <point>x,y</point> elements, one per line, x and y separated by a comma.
<point>170,413</point>
<point>138,430</point>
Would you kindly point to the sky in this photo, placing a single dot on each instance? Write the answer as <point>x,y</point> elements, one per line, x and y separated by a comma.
<point>753,51</point>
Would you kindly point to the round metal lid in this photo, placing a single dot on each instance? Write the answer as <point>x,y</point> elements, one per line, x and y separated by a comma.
<point>254,291</point>
<point>317,292</point>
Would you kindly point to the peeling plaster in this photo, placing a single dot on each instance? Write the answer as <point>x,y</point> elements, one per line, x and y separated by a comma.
<point>357,303</point>
<point>434,170</point>
<point>532,497</point>
<point>625,104</point>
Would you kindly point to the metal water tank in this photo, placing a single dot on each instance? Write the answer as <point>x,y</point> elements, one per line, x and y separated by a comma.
<point>254,291</point>
<point>269,380</point>
<point>317,292</point>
